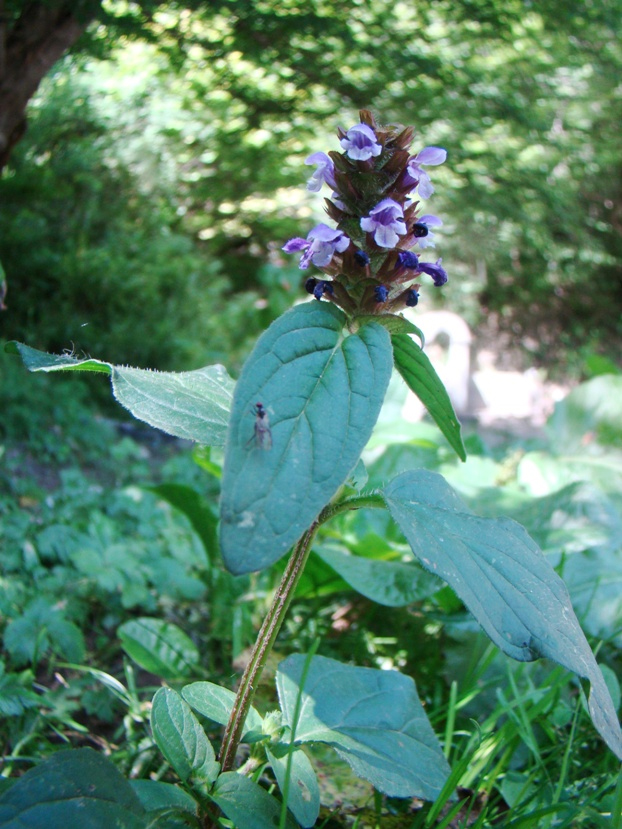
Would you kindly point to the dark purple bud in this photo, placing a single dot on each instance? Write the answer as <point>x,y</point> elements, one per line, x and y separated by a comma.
<point>310,285</point>
<point>408,259</point>
<point>381,292</point>
<point>412,298</point>
<point>434,269</point>
<point>322,287</point>
<point>361,258</point>
<point>420,229</point>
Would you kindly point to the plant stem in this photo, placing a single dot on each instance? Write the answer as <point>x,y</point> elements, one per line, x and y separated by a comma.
<point>372,500</point>
<point>265,640</point>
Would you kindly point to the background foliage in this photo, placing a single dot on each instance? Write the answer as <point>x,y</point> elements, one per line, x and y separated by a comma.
<point>168,168</point>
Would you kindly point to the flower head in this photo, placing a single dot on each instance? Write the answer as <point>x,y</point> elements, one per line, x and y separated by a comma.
<point>325,172</point>
<point>370,257</point>
<point>319,247</point>
<point>360,143</point>
<point>430,157</point>
<point>386,222</point>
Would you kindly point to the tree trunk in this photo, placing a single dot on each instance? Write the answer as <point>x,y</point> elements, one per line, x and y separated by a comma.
<point>30,44</point>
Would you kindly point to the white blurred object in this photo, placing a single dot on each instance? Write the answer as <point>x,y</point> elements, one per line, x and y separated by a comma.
<point>452,363</point>
<point>479,391</point>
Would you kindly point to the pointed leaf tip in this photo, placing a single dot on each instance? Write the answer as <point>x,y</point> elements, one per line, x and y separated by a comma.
<point>504,579</point>
<point>193,405</point>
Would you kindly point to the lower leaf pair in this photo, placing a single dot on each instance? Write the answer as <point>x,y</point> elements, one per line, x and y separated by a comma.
<point>373,719</point>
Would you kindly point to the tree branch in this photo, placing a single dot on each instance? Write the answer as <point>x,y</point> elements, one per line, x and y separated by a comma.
<point>28,49</point>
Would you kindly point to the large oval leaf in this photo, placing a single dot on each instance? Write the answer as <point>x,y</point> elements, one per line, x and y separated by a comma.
<point>322,393</point>
<point>504,579</point>
<point>372,718</point>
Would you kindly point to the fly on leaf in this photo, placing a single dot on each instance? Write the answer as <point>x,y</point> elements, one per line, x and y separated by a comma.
<point>263,435</point>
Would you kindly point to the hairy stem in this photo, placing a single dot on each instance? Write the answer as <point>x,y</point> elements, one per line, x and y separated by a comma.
<point>265,640</point>
<point>370,501</point>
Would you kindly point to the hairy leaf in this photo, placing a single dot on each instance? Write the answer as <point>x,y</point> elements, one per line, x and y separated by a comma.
<point>189,404</point>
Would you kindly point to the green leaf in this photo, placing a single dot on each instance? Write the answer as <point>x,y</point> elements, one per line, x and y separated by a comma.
<point>592,410</point>
<point>394,324</point>
<point>216,703</point>
<point>390,583</point>
<point>372,718</point>
<point>579,529</point>
<point>196,508</point>
<point>420,377</point>
<point>40,627</point>
<point>155,795</point>
<point>181,739</point>
<point>504,579</point>
<point>159,647</point>
<point>191,404</point>
<point>247,804</point>
<point>76,788</point>
<point>15,692</point>
<point>322,392</point>
<point>303,791</point>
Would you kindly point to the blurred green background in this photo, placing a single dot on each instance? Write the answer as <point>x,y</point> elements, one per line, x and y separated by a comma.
<point>143,212</point>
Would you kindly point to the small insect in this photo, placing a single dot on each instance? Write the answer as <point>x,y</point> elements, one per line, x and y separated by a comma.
<point>263,435</point>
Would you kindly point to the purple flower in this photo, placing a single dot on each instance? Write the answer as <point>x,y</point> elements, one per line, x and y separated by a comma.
<point>325,172</point>
<point>434,269</point>
<point>431,157</point>
<point>409,260</point>
<point>429,221</point>
<point>361,258</point>
<point>319,247</point>
<point>386,222</point>
<point>381,292</point>
<point>360,143</point>
<point>323,287</point>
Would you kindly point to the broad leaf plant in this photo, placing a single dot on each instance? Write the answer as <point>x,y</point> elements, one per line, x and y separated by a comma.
<point>293,428</point>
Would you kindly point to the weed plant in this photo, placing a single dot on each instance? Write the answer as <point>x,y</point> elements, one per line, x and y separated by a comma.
<point>116,588</point>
